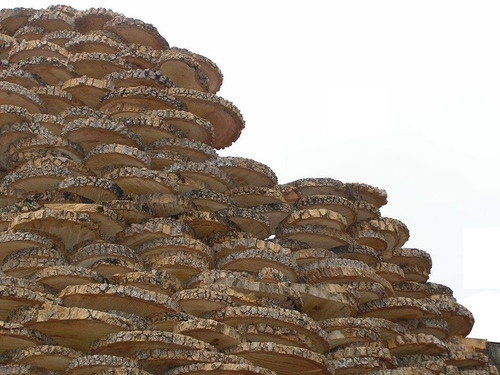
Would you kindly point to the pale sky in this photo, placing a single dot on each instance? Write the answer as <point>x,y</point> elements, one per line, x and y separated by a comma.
<point>402,95</point>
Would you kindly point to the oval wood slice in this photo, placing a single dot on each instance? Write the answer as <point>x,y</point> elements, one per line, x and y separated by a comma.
<point>52,70</point>
<point>50,357</point>
<point>59,277</point>
<point>222,114</point>
<point>127,343</point>
<point>86,325</point>
<point>217,334</point>
<point>15,336</point>
<point>127,298</point>
<point>136,31</point>
<point>279,358</point>
<point>87,90</point>
<point>182,69</point>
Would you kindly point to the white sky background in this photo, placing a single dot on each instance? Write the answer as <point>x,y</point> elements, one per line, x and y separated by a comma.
<point>402,95</point>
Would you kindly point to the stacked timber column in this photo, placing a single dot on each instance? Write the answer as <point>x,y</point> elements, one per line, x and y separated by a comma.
<point>128,246</point>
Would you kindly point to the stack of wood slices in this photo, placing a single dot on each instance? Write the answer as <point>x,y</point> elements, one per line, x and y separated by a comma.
<point>128,246</point>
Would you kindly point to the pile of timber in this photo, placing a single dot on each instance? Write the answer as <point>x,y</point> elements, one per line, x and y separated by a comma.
<point>129,246</point>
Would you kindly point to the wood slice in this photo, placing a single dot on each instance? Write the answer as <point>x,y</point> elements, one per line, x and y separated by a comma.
<point>240,244</point>
<point>368,193</point>
<point>322,217</point>
<point>365,211</point>
<point>335,203</point>
<point>127,298</point>
<point>87,90</point>
<point>389,271</point>
<point>92,132</point>
<point>180,264</point>
<point>182,69</point>
<point>413,272</point>
<point>247,171</point>
<point>250,196</point>
<point>216,179</point>
<point>136,234</point>
<point>358,252</point>
<point>20,151</point>
<point>23,370</point>
<point>209,68</point>
<point>86,325</point>
<point>200,301</point>
<point>276,317</point>
<point>245,291</point>
<point>93,19</point>
<point>222,114</point>
<point>397,308</point>
<point>194,127</point>
<point>321,304</point>
<point>350,330</point>
<point>277,357</point>
<point>411,344</point>
<point>402,256</point>
<point>262,332</point>
<point>306,256</point>
<point>12,241</point>
<point>274,212</point>
<point>68,227</point>
<point>386,328</point>
<point>91,364</point>
<point>193,150</point>
<point>217,334</point>
<point>16,95</point>
<point>140,77</point>
<point>127,343</point>
<point>464,359</point>
<point>320,186</point>
<point>421,290</point>
<point>136,31</point>
<point>12,133</point>
<point>13,114</point>
<point>133,180</point>
<point>59,37</point>
<point>30,33</point>
<point>87,255</point>
<point>91,187</point>
<point>117,155</point>
<point>27,49</point>
<point>154,280</point>
<point>14,336</point>
<point>248,221</point>
<point>168,320</point>
<point>82,112</point>
<point>151,128</point>
<point>20,266</point>
<point>22,78</point>
<point>9,196</point>
<point>253,260</point>
<point>163,159</point>
<point>210,201</point>
<point>50,357</point>
<point>140,56</point>
<point>432,363</point>
<point>460,320</point>
<point>13,19</point>
<point>314,235</point>
<point>94,42</point>
<point>220,368</point>
<point>59,277</point>
<point>108,221</point>
<point>159,360</point>
<point>51,21</point>
<point>205,224</point>
<point>96,64</point>
<point>435,327</point>
<point>121,101</point>
<point>132,211</point>
<point>172,245</point>
<point>52,70</point>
